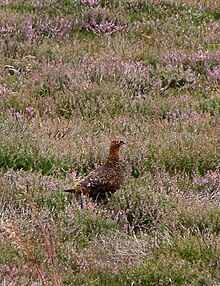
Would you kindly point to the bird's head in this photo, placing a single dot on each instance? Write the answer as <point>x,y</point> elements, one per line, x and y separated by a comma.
<point>116,143</point>
<point>114,150</point>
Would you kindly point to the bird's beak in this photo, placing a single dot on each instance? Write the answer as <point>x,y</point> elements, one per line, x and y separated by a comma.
<point>122,143</point>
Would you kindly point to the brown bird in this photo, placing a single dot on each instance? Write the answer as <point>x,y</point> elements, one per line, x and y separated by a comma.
<point>105,180</point>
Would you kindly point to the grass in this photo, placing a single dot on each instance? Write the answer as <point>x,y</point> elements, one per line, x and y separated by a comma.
<point>76,74</point>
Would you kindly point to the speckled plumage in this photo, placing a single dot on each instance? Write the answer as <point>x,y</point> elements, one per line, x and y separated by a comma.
<point>105,180</point>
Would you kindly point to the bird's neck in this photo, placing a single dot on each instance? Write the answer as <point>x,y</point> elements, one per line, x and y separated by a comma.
<point>113,155</point>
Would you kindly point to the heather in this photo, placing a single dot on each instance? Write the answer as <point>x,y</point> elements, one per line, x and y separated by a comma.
<point>76,74</point>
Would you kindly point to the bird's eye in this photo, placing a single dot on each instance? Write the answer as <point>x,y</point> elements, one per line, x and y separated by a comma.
<point>117,142</point>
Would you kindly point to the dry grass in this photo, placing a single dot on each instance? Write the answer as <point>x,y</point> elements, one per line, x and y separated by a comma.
<point>147,72</point>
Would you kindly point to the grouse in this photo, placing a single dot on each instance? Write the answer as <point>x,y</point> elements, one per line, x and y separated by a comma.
<point>105,180</point>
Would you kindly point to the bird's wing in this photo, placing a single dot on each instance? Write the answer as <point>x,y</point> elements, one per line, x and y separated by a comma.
<point>101,179</point>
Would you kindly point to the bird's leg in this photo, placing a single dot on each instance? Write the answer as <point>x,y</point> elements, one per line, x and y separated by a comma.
<point>81,200</point>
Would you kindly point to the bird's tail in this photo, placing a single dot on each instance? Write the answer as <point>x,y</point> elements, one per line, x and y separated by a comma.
<point>77,194</point>
<point>70,191</point>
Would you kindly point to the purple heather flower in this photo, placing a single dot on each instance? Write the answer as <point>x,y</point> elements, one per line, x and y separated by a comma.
<point>90,3</point>
<point>3,90</point>
<point>202,56</point>
<point>215,73</point>
<point>18,114</point>
<point>104,27</point>
<point>6,29</point>
<point>216,26</point>
<point>10,271</point>
<point>48,28</point>
<point>29,109</point>
<point>209,182</point>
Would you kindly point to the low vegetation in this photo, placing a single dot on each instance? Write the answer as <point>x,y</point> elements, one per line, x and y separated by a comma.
<point>76,74</point>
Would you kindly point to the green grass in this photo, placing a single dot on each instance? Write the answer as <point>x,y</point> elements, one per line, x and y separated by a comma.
<point>68,86</point>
